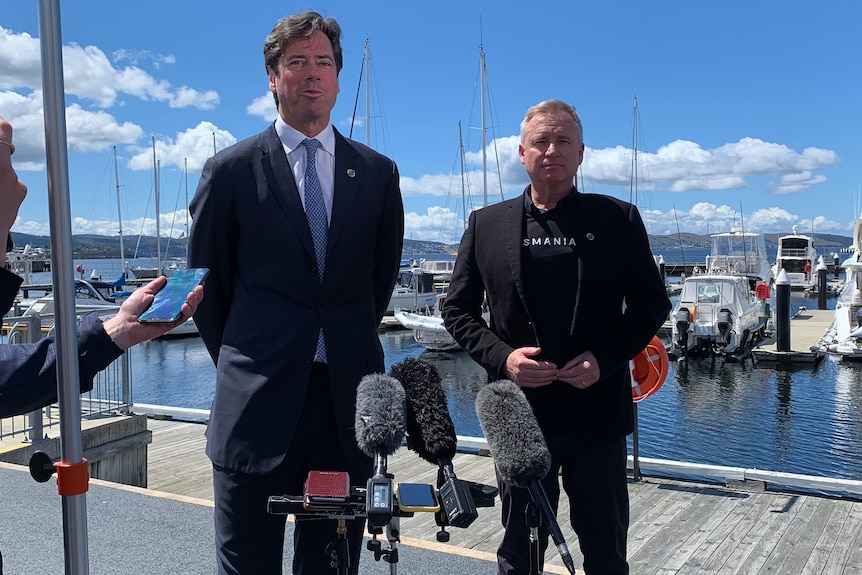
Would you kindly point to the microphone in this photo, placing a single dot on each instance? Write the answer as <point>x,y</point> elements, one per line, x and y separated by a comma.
<point>380,428</point>
<point>519,449</point>
<point>431,434</point>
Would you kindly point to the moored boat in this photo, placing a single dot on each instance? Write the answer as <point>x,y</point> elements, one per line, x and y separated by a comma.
<point>796,256</point>
<point>844,337</point>
<point>725,311</point>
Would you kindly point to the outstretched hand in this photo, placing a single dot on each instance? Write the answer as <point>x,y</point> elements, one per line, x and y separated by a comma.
<point>125,329</point>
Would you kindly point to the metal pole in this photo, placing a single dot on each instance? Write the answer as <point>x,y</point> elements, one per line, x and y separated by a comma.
<point>636,464</point>
<point>822,270</point>
<point>782,311</point>
<point>71,462</point>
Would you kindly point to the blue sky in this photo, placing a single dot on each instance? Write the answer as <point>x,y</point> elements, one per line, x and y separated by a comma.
<point>748,112</point>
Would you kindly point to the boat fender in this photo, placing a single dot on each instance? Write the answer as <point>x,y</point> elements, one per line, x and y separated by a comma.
<point>649,369</point>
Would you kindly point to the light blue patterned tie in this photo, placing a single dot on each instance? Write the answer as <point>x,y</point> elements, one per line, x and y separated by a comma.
<point>315,211</point>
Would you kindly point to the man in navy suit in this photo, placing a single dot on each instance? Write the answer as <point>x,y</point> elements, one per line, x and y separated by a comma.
<point>574,294</point>
<point>291,323</point>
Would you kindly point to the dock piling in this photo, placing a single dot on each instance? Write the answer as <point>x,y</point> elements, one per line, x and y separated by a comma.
<point>782,311</point>
<point>821,283</point>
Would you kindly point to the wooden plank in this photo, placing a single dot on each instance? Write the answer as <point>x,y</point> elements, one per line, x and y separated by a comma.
<point>715,515</point>
<point>827,545</point>
<point>672,541</point>
<point>711,555</point>
<point>753,551</point>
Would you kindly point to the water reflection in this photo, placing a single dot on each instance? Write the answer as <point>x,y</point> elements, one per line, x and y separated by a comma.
<point>461,378</point>
<point>804,420</point>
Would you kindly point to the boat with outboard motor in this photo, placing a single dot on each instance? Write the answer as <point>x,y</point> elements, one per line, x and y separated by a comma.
<point>725,311</point>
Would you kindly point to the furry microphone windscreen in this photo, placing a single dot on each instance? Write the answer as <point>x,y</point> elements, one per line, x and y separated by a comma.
<point>516,441</point>
<point>380,421</point>
<point>430,431</point>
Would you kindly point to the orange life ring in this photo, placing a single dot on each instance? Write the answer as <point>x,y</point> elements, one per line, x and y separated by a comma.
<point>649,369</point>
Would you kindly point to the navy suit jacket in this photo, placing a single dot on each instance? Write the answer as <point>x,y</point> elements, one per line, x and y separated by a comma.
<point>265,303</point>
<point>615,267</point>
<point>28,372</point>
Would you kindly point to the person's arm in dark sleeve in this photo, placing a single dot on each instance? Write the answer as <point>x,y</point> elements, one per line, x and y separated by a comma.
<point>462,309</point>
<point>647,303</point>
<point>212,244</point>
<point>390,239</point>
<point>28,371</point>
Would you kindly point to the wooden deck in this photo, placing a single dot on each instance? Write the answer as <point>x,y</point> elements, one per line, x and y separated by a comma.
<point>806,330</point>
<point>677,527</point>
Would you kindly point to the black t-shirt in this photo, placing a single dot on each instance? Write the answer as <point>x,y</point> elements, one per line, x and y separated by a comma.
<point>551,264</point>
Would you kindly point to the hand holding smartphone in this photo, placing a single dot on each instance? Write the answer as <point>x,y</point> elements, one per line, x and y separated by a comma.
<point>168,304</point>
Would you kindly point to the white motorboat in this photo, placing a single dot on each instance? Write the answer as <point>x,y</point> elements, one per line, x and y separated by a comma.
<point>408,298</point>
<point>428,330</point>
<point>726,310</point>
<point>93,295</point>
<point>796,256</point>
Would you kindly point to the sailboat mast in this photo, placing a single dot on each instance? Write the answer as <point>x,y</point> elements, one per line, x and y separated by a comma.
<point>119,213</point>
<point>633,190</point>
<point>158,231</point>
<point>186,172</point>
<point>484,153</point>
<point>463,176</point>
<point>368,92</point>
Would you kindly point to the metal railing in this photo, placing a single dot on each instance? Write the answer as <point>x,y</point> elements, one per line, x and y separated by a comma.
<point>111,393</point>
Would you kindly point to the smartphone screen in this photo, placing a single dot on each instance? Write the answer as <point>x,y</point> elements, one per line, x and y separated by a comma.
<point>417,497</point>
<point>168,303</point>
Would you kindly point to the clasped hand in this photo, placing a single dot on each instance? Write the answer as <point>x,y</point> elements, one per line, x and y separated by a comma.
<point>581,372</point>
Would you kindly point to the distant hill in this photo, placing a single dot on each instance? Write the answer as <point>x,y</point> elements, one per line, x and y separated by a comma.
<point>823,242</point>
<point>88,246</point>
<point>93,246</point>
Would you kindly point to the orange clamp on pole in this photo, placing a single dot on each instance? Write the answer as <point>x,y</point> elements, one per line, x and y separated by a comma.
<point>72,478</point>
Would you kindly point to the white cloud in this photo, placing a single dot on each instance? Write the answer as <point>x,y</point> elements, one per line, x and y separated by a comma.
<point>263,107</point>
<point>438,224</point>
<point>683,166</point>
<point>195,145</point>
<point>89,75</point>
<point>705,218</point>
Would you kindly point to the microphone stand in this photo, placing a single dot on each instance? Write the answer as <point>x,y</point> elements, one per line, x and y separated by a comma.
<point>540,498</point>
<point>531,513</point>
<point>338,551</point>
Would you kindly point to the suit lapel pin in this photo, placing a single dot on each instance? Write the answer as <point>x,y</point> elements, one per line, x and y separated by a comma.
<point>590,236</point>
<point>351,173</point>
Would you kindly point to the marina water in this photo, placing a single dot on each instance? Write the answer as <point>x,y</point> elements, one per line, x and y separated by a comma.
<point>806,419</point>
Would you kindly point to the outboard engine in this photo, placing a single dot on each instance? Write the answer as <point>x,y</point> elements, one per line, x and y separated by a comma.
<point>724,323</point>
<point>682,318</point>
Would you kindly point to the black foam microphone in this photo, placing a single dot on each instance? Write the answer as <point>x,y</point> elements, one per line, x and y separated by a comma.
<point>431,434</point>
<point>380,427</point>
<point>519,449</point>
<point>430,431</point>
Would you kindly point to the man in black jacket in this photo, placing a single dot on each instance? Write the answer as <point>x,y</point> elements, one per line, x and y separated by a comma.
<point>574,294</point>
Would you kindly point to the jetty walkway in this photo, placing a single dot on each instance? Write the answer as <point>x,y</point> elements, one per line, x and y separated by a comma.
<point>677,526</point>
<point>742,524</point>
